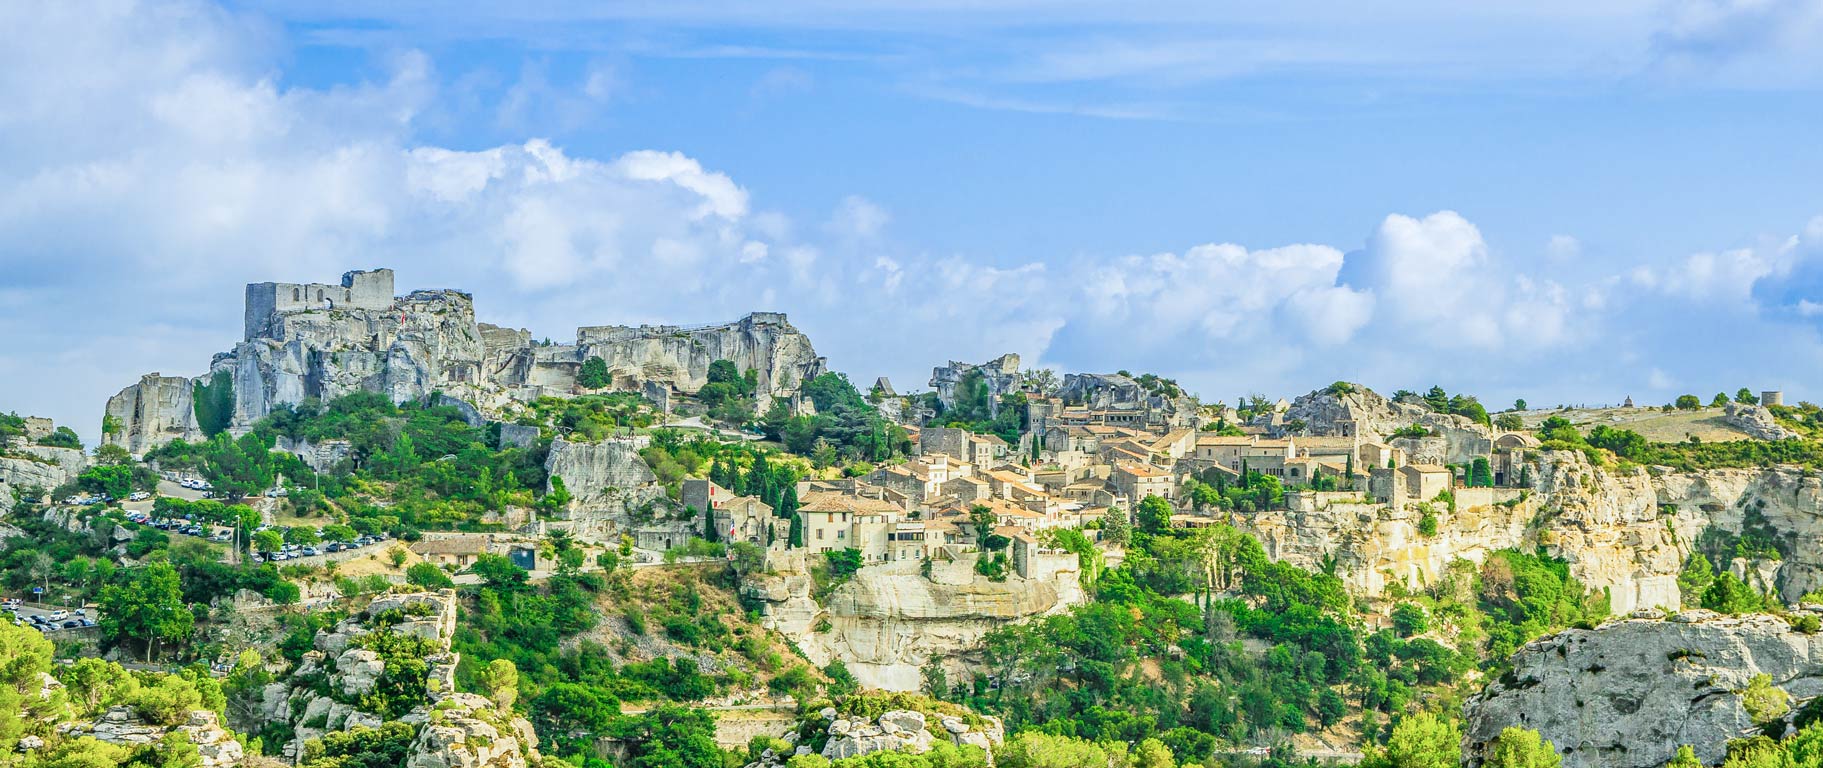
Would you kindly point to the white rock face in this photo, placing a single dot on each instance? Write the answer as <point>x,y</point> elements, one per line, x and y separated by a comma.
<point>152,412</point>
<point>889,621</point>
<point>1627,694</point>
<point>595,472</point>
<point>1628,532</point>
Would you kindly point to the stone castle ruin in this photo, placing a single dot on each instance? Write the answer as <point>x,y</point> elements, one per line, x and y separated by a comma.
<point>359,289</point>
<point>321,341</point>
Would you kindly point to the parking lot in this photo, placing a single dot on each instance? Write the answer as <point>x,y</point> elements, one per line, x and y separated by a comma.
<point>50,618</point>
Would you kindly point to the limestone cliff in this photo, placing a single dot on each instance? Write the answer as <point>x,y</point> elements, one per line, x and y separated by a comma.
<point>1627,694</point>
<point>1626,530</point>
<point>302,341</point>
<point>152,412</point>
<point>37,466</point>
<point>890,620</point>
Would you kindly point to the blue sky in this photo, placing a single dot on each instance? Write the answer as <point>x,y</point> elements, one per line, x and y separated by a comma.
<point>1548,200</point>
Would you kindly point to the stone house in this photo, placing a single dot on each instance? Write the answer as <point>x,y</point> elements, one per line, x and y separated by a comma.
<point>1221,450</point>
<point>1423,482</point>
<point>833,521</point>
<point>1137,481</point>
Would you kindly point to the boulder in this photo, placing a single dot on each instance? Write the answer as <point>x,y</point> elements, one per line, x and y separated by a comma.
<point>1627,694</point>
<point>1756,420</point>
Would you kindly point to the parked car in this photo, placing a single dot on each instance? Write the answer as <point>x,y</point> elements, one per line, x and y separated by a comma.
<point>59,615</point>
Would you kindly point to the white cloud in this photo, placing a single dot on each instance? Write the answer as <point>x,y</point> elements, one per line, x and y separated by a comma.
<point>1561,248</point>
<point>152,160</point>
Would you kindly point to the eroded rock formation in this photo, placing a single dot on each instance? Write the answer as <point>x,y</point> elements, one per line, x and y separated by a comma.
<point>358,337</point>
<point>890,620</point>
<point>1628,693</point>
<point>1000,375</point>
<point>454,730</point>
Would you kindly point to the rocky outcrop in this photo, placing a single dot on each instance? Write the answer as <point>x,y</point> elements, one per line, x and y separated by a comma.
<point>1102,390</point>
<point>764,342</point>
<point>898,730</point>
<point>410,346</point>
<point>1757,421</point>
<point>1627,530</point>
<point>20,474</point>
<point>25,465</point>
<point>123,726</point>
<point>425,342</point>
<point>152,412</point>
<point>890,621</point>
<point>1000,375</point>
<point>454,730</point>
<point>596,473</point>
<point>1627,694</point>
<point>1366,413</point>
<point>468,731</point>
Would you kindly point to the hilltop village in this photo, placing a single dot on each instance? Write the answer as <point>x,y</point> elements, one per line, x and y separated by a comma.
<point>378,531</point>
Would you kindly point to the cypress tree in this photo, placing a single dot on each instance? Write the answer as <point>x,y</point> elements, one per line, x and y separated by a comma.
<point>797,532</point>
<point>710,534</point>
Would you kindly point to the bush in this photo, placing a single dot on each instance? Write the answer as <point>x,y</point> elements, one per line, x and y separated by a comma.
<point>428,576</point>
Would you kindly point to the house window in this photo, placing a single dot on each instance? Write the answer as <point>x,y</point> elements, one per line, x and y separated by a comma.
<point>819,534</point>
<point>840,535</point>
<point>295,296</point>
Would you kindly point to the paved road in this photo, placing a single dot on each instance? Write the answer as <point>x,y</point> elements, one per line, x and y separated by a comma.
<point>28,610</point>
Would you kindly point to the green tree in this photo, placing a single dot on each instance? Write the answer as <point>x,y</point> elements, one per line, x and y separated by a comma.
<point>1422,740</point>
<point>1720,399</point>
<point>1519,405</point>
<point>1522,748</point>
<point>1745,396</point>
<point>428,576</point>
<point>1687,403</point>
<point>1728,594</point>
<point>213,403</point>
<point>500,681</point>
<point>145,605</point>
<point>841,681</point>
<point>96,684</point>
<point>1410,619</point>
<point>1510,422</point>
<point>1695,579</point>
<point>1480,474</point>
<point>268,541</point>
<point>594,374</point>
<point>1153,515</point>
<point>1764,701</point>
<point>1686,758</point>
<point>1114,526</point>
